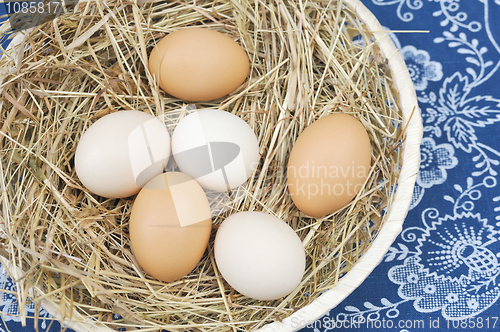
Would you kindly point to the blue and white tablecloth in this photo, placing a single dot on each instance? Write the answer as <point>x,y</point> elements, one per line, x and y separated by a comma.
<point>443,271</point>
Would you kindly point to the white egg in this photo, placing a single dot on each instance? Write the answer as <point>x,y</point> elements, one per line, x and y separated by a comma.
<point>119,153</point>
<point>259,255</point>
<point>218,149</point>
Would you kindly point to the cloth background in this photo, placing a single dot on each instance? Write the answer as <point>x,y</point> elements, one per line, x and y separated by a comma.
<point>442,272</point>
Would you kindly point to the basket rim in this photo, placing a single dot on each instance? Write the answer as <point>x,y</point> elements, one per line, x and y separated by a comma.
<point>396,213</point>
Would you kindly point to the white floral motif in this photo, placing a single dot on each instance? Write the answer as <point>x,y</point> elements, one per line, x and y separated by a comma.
<point>420,67</point>
<point>459,115</point>
<point>451,264</point>
<point>435,160</point>
<point>418,194</point>
<point>450,9</point>
<point>432,278</point>
<point>443,266</point>
<point>411,4</point>
<point>479,68</point>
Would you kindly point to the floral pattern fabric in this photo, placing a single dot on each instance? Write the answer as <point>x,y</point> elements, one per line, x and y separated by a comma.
<point>443,271</point>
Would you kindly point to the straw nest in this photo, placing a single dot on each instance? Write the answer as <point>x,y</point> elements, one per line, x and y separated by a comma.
<point>308,59</point>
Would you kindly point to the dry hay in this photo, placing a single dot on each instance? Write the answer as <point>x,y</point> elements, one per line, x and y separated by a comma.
<point>308,59</point>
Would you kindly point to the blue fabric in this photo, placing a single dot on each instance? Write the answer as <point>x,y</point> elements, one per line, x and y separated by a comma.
<point>445,264</point>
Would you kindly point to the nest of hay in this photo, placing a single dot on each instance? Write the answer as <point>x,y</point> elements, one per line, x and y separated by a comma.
<point>71,248</point>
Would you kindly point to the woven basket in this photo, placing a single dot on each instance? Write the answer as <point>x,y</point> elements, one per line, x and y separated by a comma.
<point>404,93</point>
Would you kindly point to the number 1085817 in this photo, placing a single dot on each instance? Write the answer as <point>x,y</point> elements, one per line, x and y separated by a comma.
<point>472,323</point>
<point>33,7</point>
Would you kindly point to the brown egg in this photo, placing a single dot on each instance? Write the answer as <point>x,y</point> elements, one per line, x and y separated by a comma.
<point>328,164</point>
<point>170,226</point>
<point>198,64</point>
